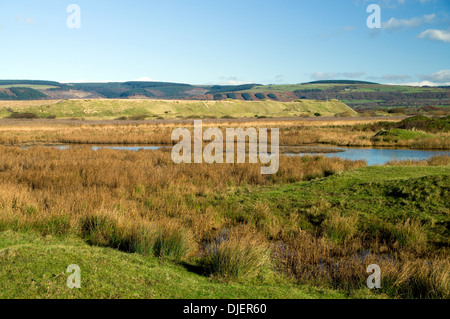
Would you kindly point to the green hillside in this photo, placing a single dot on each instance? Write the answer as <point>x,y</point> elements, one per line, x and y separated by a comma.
<point>363,95</point>
<point>113,108</point>
<point>17,92</point>
<point>359,95</point>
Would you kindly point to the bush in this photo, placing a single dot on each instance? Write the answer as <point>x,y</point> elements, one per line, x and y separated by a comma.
<point>218,96</point>
<point>426,124</point>
<point>26,115</point>
<point>139,117</point>
<point>317,114</point>
<point>343,114</point>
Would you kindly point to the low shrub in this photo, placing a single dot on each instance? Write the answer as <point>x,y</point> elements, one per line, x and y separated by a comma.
<point>25,115</point>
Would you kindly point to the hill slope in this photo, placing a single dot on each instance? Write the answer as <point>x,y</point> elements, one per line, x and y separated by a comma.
<point>359,95</point>
<point>114,108</point>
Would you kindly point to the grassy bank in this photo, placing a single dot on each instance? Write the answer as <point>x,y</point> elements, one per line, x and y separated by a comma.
<point>35,267</point>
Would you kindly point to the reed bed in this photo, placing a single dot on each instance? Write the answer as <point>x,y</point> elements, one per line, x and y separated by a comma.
<point>140,202</point>
<point>39,184</point>
<point>292,133</point>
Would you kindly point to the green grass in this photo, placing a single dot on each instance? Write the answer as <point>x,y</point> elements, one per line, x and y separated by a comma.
<point>380,196</point>
<point>35,267</point>
<point>396,134</point>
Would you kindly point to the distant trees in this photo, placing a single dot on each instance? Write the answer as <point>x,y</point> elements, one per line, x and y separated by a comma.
<point>260,96</point>
<point>134,92</point>
<point>340,82</point>
<point>22,93</point>
<point>272,96</point>
<point>230,88</point>
<point>146,84</point>
<point>29,82</point>
<point>247,96</point>
<point>218,96</point>
<point>119,90</point>
<point>231,96</point>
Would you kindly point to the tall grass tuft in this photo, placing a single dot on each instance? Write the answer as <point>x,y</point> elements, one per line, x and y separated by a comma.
<point>172,240</point>
<point>240,255</point>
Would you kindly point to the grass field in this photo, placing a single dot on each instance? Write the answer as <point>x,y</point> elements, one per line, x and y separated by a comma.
<point>111,109</point>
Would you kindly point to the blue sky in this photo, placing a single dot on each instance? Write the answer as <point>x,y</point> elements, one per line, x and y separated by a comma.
<point>226,41</point>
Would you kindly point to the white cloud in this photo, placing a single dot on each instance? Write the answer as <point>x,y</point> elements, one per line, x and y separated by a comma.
<point>231,80</point>
<point>441,76</point>
<point>86,81</point>
<point>336,33</point>
<point>392,4</point>
<point>144,79</point>
<point>29,21</point>
<point>422,83</point>
<point>22,19</point>
<point>76,81</point>
<point>394,24</point>
<point>396,77</point>
<point>336,75</point>
<point>434,34</point>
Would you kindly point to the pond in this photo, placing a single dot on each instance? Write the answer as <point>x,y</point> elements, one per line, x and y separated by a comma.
<point>373,156</point>
<point>120,148</point>
<point>379,156</point>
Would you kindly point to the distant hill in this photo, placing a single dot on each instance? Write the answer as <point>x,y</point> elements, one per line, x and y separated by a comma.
<point>359,95</point>
<point>156,109</point>
<point>340,82</point>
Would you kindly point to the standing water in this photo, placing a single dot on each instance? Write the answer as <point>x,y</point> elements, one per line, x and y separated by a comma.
<point>380,156</point>
<point>373,156</point>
